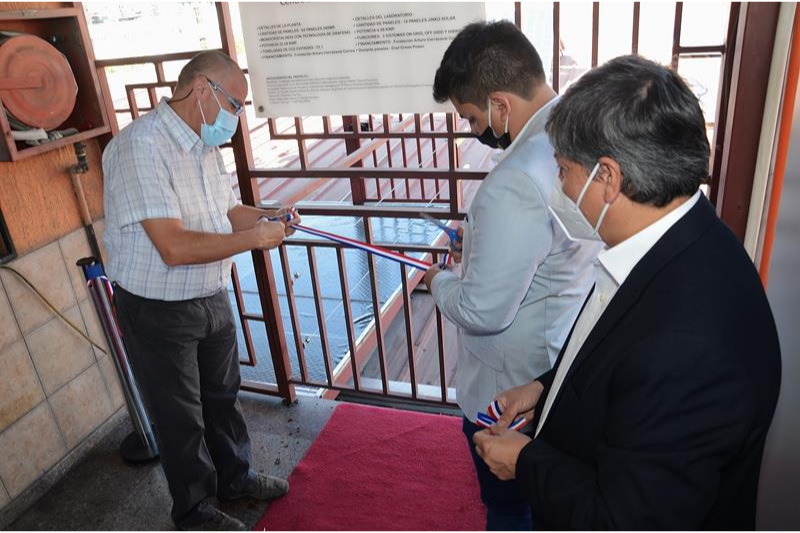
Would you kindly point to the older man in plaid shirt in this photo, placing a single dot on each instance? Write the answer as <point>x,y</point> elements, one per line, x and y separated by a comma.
<point>172,226</point>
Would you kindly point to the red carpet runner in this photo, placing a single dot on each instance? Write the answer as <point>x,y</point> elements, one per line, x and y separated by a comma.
<point>382,470</point>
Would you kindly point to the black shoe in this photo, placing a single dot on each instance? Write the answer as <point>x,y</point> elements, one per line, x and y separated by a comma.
<point>218,521</point>
<point>261,487</point>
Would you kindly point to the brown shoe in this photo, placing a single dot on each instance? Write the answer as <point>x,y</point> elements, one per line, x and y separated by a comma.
<point>262,487</point>
<point>219,521</point>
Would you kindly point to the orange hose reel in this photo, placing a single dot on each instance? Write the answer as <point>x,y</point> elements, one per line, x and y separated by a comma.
<point>37,86</point>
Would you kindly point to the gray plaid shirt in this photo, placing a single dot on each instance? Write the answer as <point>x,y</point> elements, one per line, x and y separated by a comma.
<point>157,167</point>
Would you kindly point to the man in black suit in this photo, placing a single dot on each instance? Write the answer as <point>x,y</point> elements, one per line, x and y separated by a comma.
<point>656,412</point>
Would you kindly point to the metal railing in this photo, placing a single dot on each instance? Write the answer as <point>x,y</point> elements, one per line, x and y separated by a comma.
<point>378,150</point>
<point>388,166</point>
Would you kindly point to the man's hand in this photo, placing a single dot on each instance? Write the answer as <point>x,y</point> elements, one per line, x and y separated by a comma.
<point>517,401</point>
<point>282,212</point>
<point>430,274</point>
<point>500,450</point>
<point>267,235</point>
<point>456,253</point>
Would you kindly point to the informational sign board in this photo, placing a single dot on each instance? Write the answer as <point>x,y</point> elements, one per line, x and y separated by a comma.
<point>308,58</point>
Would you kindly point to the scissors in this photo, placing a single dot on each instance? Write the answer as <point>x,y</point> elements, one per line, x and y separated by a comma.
<point>451,232</point>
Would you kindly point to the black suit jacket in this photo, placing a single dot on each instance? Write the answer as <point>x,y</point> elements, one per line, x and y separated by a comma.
<point>661,420</point>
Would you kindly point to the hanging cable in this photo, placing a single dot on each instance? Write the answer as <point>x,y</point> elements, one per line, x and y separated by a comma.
<point>52,307</point>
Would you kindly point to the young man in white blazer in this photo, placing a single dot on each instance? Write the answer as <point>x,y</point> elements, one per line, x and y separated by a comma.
<point>522,280</point>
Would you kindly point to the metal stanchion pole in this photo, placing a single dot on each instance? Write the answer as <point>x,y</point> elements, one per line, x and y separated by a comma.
<point>139,446</point>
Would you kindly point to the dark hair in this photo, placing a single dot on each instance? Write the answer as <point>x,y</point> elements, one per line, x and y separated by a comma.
<point>643,116</point>
<point>209,63</point>
<point>486,57</point>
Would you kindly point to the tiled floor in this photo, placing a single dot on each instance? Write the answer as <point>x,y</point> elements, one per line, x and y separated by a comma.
<point>103,492</point>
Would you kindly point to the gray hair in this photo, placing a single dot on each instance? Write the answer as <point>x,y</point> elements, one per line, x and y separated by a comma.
<point>643,116</point>
<point>208,63</point>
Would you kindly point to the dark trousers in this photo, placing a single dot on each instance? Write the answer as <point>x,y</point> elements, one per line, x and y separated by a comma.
<point>506,509</point>
<point>185,360</point>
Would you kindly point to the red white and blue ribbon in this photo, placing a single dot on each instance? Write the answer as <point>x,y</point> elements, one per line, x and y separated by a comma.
<point>369,248</point>
<point>494,414</point>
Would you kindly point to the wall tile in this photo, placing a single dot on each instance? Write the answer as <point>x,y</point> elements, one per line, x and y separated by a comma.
<point>45,269</point>
<point>4,498</point>
<point>30,447</point>
<point>112,382</point>
<point>81,406</point>
<point>73,247</point>
<point>59,353</point>
<point>9,330</point>
<point>99,230</point>
<point>19,386</point>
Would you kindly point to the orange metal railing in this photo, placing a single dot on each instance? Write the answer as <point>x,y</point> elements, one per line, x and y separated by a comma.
<point>373,167</point>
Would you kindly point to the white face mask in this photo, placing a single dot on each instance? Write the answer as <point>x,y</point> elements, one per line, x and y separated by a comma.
<point>569,215</point>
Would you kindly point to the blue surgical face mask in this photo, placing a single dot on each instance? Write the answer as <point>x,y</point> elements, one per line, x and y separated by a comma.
<point>223,127</point>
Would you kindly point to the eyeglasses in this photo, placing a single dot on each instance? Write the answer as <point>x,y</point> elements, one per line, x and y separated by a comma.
<point>238,107</point>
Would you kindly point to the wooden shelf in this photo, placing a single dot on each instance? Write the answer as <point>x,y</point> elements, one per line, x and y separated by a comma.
<point>29,14</point>
<point>66,141</point>
<point>65,28</point>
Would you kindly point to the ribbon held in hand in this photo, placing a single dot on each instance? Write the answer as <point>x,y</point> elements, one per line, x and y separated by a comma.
<point>494,414</point>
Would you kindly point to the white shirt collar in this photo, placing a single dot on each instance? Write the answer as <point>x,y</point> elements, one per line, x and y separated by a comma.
<point>536,122</point>
<point>620,260</point>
